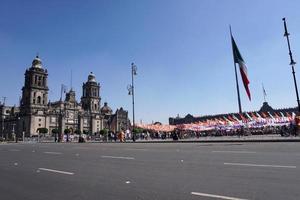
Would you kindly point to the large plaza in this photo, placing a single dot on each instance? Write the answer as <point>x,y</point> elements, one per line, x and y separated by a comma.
<point>150,171</point>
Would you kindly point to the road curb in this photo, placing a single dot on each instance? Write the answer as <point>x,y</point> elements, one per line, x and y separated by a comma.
<point>223,141</point>
<point>192,141</point>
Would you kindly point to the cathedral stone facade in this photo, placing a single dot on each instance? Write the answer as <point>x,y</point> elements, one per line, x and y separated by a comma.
<point>36,112</point>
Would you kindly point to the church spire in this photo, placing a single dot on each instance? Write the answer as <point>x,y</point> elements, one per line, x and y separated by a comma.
<point>37,62</point>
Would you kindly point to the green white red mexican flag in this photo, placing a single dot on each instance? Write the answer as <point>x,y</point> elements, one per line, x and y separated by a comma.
<point>243,68</point>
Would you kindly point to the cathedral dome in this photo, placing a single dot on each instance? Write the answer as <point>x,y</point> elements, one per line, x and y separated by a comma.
<point>91,77</point>
<point>37,62</point>
<point>106,109</point>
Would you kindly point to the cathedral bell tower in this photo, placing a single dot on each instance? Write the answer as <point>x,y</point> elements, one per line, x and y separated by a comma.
<point>35,90</point>
<point>34,99</point>
<point>91,95</point>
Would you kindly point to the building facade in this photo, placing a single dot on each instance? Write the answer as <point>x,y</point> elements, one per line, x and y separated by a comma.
<point>36,112</point>
<point>266,108</point>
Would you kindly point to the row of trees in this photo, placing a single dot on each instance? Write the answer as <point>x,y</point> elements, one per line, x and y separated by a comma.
<point>56,131</point>
<point>67,131</point>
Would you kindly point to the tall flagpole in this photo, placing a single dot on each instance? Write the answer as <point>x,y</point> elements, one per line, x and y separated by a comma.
<point>264,92</point>
<point>292,63</point>
<point>236,77</point>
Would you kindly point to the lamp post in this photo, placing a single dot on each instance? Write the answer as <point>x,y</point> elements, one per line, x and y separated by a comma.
<point>130,89</point>
<point>13,135</point>
<point>56,126</point>
<point>292,63</point>
<point>17,131</point>
<point>3,116</point>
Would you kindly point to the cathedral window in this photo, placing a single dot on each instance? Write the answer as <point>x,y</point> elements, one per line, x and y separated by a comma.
<point>35,79</point>
<point>33,100</point>
<point>44,97</point>
<point>84,93</point>
<point>53,119</point>
<point>39,81</point>
<point>38,99</point>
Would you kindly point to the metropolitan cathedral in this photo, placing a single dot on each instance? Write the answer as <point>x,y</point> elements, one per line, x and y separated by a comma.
<point>36,112</point>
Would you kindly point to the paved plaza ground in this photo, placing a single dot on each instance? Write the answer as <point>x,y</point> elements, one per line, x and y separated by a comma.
<point>130,171</point>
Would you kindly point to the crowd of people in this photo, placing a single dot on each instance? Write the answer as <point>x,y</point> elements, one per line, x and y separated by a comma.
<point>261,126</point>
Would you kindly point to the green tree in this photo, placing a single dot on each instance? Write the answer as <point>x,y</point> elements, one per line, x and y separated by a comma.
<point>104,132</point>
<point>137,130</point>
<point>77,131</point>
<point>54,131</point>
<point>67,131</point>
<point>42,130</point>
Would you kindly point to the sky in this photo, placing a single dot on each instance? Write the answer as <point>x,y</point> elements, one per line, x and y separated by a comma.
<point>182,50</point>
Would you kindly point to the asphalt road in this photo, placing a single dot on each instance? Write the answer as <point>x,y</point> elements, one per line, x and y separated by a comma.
<point>232,171</point>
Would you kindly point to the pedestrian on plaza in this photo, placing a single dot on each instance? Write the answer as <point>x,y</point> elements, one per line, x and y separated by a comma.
<point>121,136</point>
<point>115,136</point>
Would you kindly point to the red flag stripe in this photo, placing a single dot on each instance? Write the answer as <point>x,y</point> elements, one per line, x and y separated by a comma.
<point>243,70</point>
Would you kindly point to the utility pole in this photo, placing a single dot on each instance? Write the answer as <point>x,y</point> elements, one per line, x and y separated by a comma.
<point>264,93</point>
<point>131,92</point>
<point>292,62</point>
<point>3,113</point>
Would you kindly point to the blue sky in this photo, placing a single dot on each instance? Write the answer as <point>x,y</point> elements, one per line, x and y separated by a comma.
<point>181,48</point>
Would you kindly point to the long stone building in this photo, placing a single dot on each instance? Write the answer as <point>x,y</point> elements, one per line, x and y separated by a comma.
<point>266,108</point>
<point>35,111</point>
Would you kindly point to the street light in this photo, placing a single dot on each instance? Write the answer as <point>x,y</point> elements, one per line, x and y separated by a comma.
<point>13,135</point>
<point>17,131</point>
<point>130,89</point>
<point>3,116</point>
<point>292,62</point>
<point>2,131</point>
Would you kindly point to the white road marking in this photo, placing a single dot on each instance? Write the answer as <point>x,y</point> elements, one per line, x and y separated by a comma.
<point>55,171</point>
<point>127,182</point>
<point>15,164</point>
<point>258,165</point>
<point>233,152</point>
<point>215,196</point>
<point>13,150</point>
<point>133,149</point>
<point>77,154</point>
<point>118,157</point>
<point>33,151</point>
<point>54,153</point>
<point>84,148</point>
